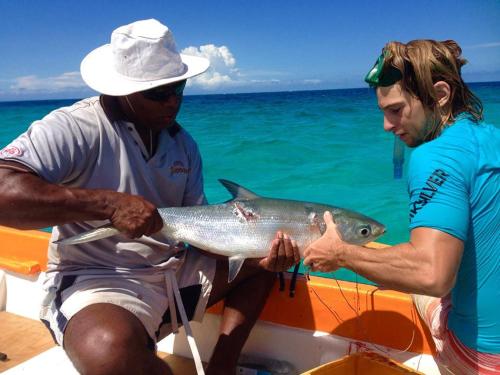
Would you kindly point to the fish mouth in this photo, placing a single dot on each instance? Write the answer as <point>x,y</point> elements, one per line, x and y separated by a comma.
<point>379,230</point>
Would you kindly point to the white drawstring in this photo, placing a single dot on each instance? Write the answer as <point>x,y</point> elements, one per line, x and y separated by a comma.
<point>173,288</point>
<point>171,302</point>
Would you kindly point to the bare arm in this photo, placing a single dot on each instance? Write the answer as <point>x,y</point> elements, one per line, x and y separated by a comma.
<point>29,202</point>
<point>427,264</point>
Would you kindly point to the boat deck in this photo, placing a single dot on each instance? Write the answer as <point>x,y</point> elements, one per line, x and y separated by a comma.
<point>23,339</point>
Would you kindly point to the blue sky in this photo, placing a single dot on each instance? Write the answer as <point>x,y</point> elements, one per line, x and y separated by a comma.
<point>254,46</point>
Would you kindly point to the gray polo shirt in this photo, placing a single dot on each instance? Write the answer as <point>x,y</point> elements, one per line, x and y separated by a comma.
<point>78,146</point>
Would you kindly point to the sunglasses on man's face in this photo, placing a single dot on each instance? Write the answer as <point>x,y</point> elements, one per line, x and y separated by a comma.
<point>163,93</point>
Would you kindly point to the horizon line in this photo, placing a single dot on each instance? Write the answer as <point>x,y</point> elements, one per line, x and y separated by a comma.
<point>223,94</point>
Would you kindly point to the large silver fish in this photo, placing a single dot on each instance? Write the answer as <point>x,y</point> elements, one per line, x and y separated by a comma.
<point>245,226</point>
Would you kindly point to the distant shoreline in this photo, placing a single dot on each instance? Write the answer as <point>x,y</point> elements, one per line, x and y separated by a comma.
<point>65,100</point>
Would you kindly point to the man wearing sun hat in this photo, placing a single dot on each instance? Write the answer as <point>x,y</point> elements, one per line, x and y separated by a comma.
<point>117,157</point>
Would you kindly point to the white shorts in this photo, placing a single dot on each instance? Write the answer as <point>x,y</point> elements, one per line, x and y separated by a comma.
<point>145,296</point>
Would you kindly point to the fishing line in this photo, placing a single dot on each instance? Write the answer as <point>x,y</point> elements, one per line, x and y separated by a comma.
<point>363,331</point>
<point>334,313</point>
<point>346,300</point>
<point>399,351</point>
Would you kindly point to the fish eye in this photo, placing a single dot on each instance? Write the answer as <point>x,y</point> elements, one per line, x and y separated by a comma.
<point>364,231</point>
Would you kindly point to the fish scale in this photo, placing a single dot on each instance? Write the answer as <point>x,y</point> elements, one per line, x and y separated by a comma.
<point>231,234</point>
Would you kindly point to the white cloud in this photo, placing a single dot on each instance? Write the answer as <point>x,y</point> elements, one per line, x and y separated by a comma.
<point>222,71</point>
<point>33,83</point>
<point>312,81</point>
<point>224,74</point>
<point>265,81</point>
<point>484,45</point>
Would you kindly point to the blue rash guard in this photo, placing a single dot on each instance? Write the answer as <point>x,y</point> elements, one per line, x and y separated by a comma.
<point>454,186</point>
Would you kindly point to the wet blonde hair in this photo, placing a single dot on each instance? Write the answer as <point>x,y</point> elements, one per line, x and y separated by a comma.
<point>425,62</point>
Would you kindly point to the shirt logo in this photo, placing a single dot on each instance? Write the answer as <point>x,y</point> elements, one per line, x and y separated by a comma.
<point>11,151</point>
<point>432,185</point>
<point>178,168</point>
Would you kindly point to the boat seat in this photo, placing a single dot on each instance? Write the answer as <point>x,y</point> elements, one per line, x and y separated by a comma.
<point>27,343</point>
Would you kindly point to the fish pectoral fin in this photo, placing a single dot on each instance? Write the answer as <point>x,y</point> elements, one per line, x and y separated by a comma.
<point>235,263</point>
<point>238,191</point>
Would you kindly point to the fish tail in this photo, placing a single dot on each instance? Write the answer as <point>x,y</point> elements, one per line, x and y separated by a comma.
<point>91,235</point>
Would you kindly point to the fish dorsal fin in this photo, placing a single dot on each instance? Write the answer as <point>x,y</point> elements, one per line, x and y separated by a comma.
<point>235,263</point>
<point>238,191</point>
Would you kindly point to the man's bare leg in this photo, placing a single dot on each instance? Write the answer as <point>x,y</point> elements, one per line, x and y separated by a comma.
<point>245,298</point>
<point>107,339</point>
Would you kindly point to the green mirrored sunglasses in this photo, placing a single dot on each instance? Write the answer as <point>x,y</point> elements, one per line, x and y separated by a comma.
<point>381,75</point>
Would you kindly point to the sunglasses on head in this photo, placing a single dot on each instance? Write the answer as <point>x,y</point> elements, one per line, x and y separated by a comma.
<point>382,75</point>
<point>163,93</point>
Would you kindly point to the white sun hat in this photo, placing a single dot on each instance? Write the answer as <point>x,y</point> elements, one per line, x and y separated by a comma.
<point>141,55</point>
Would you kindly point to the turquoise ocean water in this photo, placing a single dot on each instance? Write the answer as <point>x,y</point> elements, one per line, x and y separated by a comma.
<point>322,146</point>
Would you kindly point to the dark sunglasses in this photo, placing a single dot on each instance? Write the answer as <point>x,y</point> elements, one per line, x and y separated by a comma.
<point>163,93</point>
